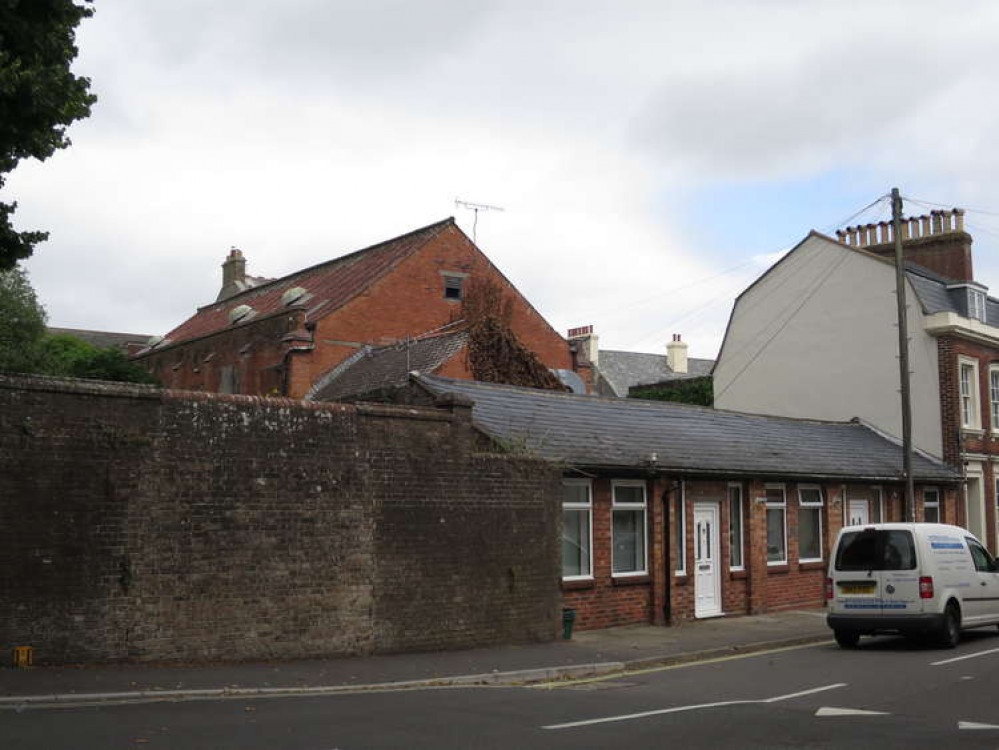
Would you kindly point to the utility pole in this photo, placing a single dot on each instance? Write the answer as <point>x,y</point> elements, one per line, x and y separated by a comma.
<point>909,499</point>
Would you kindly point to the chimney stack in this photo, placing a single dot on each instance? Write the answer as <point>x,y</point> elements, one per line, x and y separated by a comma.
<point>587,341</point>
<point>676,355</point>
<point>936,241</point>
<point>233,275</point>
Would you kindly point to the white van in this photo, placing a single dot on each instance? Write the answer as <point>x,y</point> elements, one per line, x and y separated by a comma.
<point>911,578</point>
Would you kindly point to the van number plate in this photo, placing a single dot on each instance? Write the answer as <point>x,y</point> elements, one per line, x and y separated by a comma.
<point>856,588</point>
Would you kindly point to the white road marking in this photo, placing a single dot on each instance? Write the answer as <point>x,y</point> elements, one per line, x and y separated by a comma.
<point>830,711</point>
<point>975,725</point>
<point>966,656</point>
<point>697,707</point>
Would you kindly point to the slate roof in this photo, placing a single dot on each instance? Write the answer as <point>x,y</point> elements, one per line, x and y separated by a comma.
<point>328,285</point>
<point>935,297</point>
<point>622,370</point>
<point>103,339</point>
<point>385,367</point>
<point>592,431</point>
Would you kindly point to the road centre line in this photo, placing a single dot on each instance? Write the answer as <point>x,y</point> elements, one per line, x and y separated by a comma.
<point>696,707</point>
<point>626,672</point>
<point>966,656</point>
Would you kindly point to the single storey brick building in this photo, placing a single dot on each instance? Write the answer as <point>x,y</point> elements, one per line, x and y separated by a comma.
<point>673,511</point>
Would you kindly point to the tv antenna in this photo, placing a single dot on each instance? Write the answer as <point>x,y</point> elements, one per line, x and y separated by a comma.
<point>475,207</point>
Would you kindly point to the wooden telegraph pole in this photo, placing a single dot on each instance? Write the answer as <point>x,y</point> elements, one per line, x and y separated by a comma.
<point>909,500</point>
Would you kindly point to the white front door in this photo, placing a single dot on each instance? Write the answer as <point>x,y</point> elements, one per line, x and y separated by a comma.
<point>858,511</point>
<point>707,578</point>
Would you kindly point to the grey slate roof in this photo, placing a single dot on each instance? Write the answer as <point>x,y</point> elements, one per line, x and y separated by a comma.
<point>103,339</point>
<point>622,370</point>
<point>591,431</point>
<point>935,297</point>
<point>384,367</point>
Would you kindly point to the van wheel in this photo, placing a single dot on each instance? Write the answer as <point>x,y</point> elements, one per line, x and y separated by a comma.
<point>846,638</point>
<point>950,632</point>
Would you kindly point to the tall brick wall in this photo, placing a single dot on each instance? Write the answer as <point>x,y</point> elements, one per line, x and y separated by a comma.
<point>139,524</point>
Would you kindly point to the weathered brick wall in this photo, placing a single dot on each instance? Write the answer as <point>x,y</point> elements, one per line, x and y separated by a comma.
<point>147,525</point>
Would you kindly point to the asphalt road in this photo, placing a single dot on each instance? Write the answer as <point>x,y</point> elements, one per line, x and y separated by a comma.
<point>804,697</point>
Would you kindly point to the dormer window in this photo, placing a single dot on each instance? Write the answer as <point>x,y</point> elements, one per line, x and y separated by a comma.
<point>454,285</point>
<point>972,296</point>
<point>976,304</point>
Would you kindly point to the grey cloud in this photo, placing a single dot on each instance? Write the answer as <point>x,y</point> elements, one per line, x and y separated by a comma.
<point>780,120</point>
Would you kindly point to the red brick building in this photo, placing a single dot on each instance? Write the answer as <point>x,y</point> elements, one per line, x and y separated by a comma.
<point>280,336</point>
<point>672,512</point>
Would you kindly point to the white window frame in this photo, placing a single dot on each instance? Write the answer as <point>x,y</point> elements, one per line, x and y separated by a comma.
<point>878,502</point>
<point>643,506</point>
<point>976,304</point>
<point>994,397</point>
<point>680,535</point>
<point>588,507</point>
<point>968,401</point>
<point>934,504</point>
<point>782,505</point>
<point>810,505</point>
<point>739,543</point>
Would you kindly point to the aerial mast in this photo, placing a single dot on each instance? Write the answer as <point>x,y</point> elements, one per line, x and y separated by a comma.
<point>475,207</point>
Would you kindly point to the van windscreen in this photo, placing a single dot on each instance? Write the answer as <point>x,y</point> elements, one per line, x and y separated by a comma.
<point>876,549</point>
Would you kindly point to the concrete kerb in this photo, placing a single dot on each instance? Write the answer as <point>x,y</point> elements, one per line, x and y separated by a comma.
<point>491,679</point>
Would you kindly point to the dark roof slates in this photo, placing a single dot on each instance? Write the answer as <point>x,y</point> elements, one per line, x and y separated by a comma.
<point>595,431</point>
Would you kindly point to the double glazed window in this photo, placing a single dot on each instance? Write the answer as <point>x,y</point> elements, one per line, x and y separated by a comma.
<point>931,505</point>
<point>628,522</point>
<point>994,396</point>
<point>809,523</point>
<point>735,559</point>
<point>776,525</point>
<point>968,386</point>
<point>577,529</point>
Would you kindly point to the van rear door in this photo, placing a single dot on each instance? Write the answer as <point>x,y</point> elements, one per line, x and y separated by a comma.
<point>857,573</point>
<point>875,572</point>
<point>900,576</point>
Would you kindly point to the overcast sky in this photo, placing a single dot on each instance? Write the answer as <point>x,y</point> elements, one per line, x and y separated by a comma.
<point>651,158</point>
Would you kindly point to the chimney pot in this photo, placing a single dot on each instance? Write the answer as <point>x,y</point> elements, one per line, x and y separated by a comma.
<point>676,354</point>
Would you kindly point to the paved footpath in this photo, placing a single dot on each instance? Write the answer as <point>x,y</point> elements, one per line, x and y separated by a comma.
<point>588,653</point>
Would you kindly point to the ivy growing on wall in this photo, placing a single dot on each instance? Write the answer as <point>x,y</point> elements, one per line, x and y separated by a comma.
<point>494,354</point>
<point>698,391</point>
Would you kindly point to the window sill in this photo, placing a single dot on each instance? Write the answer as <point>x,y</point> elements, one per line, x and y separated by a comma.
<point>811,565</point>
<point>972,432</point>
<point>778,567</point>
<point>577,584</point>
<point>631,580</point>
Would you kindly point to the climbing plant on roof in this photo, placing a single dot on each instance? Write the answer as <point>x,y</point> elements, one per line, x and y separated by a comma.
<point>494,354</point>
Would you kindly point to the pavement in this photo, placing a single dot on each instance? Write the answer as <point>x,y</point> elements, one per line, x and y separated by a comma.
<point>588,653</point>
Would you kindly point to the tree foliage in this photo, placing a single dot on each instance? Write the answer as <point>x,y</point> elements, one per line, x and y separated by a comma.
<point>697,391</point>
<point>39,96</point>
<point>22,323</point>
<point>26,347</point>
<point>73,358</point>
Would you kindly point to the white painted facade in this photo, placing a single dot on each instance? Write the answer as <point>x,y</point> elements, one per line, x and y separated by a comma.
<point>815,337</point>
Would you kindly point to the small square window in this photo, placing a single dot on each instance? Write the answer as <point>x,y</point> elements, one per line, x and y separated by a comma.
<point>453,287</point>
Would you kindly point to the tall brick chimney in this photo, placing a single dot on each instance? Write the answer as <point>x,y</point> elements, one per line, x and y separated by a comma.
<point>233,275</point>
<point>676,354</point>
<point>936,241</point>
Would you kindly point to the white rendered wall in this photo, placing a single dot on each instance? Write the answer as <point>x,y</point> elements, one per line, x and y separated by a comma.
<point>829,314</point>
